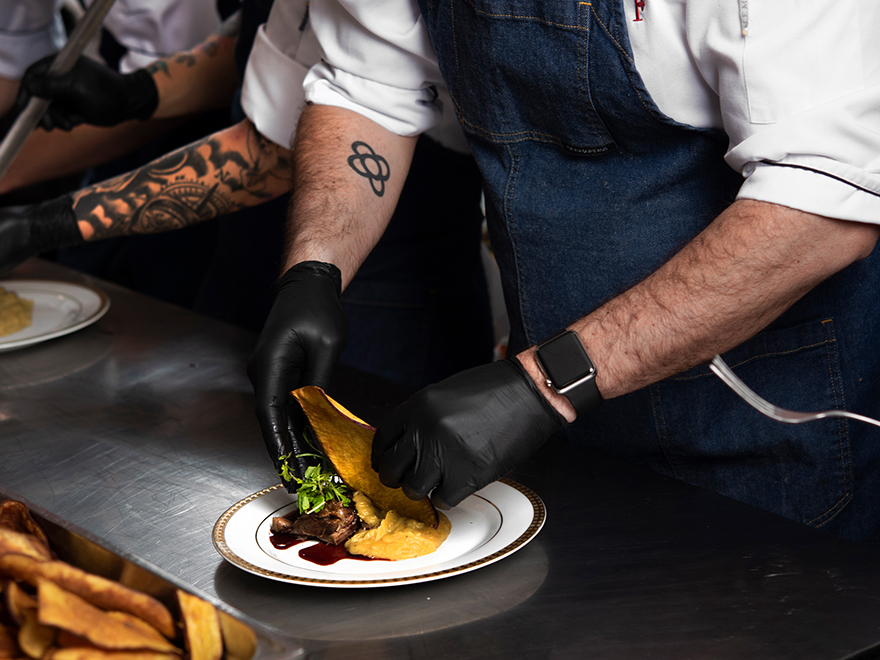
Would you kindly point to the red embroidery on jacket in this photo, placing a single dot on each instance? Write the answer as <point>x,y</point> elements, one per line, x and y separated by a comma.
<point>640,5</point>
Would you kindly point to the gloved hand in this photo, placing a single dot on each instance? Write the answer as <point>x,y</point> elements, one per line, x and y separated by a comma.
<point>89,93</point>
<point>464,432</point>
<point>26,231</point>
<point>301,341</point>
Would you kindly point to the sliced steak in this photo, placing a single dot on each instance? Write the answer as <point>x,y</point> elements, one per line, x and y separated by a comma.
<point>334,524</point>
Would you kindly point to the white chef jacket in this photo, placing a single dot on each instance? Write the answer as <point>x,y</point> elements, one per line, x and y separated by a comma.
<point>149,29</point>
<point>795,84</point>
<point>284,49</point>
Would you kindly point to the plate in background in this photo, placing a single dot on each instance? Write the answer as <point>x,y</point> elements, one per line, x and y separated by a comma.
<point>60,308</point>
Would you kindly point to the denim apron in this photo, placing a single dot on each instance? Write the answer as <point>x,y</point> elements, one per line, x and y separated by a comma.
<point>590,188</point>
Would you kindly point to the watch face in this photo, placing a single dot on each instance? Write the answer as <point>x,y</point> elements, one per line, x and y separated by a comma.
<point>564,360</point>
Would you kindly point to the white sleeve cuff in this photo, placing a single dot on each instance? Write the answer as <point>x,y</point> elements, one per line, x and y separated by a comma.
<point>811,191</point>
<point>272,93</point>
<point>406,112</point>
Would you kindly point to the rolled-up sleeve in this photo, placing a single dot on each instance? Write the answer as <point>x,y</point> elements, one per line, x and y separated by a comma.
<point>378,61</point>
<point>799,87</point>
<point>272,94</point>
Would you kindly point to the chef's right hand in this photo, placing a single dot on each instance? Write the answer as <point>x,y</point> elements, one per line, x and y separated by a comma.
<point>301,341</point>
<point>89,93</point>
<point>26,231</point>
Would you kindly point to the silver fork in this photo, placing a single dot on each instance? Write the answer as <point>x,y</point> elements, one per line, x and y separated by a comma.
<point>725,373</point>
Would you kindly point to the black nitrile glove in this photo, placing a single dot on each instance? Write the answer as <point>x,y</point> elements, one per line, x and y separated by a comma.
<point>300,344</point>
<point>26,231</point>
<point>464,432</point>
<point>89,93</point>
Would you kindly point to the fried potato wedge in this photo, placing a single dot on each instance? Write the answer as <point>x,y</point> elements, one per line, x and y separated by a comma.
<point>101,592</point>
<point>108,630</point>
<point>15,516</point>
<point>201,627</point>
<point>18,602</point>
<point>239,640</point>
<point>23,544</point>
<point>348,442</point>
<point>8,645</point>
<point>33,637</point>
<point>87,653</point>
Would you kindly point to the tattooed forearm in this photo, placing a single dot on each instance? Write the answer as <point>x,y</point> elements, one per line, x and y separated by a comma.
<point>157,66</point>
<point>210,47</point>
<point>368,164</point>
<point>222,173</point>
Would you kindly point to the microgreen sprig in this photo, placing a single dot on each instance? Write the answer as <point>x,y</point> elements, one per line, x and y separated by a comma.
<point>320,483</point>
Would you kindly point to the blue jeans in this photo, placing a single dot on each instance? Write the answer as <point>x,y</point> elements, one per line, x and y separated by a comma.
<point>589,189</point>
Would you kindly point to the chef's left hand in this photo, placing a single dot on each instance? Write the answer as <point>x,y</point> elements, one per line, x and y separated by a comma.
<point>464,432</point>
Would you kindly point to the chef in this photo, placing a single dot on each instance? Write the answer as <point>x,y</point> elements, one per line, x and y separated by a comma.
<point>664,181</point>
<point>419,309</point>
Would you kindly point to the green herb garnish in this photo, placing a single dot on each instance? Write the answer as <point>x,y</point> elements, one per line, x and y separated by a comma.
<point>317,487</point>
<point>286,473</point>
<point>320,483</point>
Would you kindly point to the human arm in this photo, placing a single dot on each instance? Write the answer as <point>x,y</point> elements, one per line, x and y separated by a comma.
<point>183,84</point>
<point>347,176</point>
<point>752,263</point>
<point>231,169</point>
<point>336,216</point>
<point>743,271</point>
<point>8,91</point>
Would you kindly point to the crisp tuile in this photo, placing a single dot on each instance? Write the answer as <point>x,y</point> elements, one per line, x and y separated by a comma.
<point>62,609</point>
<point>201,627</point>
<point>101,592</point>
<point>347,442</point>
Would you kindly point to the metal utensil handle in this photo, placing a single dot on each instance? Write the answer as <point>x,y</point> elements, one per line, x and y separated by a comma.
<point>63,62</point>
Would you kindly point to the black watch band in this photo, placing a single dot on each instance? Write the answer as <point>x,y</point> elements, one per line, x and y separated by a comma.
<point>569,370</point>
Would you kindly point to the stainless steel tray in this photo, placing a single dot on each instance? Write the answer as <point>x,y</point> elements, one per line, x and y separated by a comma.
<point>254,641</point>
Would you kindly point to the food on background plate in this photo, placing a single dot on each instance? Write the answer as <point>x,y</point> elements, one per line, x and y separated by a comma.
<point>15,312</point>
<point>383,523</point>
<point>53,610</point>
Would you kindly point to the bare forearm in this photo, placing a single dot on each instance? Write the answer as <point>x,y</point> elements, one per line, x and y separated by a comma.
<point>347,176</point>
<point>201,79</point>
<point>8,92</point>
<point>731,281</point>
<point>222,173</point>
<point>50,154</point>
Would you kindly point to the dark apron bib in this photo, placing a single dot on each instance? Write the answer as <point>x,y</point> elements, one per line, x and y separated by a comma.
<point>590,188</point>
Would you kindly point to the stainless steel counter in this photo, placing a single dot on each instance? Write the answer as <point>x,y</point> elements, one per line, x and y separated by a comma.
<point>140,429</point>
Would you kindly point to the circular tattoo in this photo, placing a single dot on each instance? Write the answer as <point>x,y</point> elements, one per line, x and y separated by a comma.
<point>180,205</point>
<point>366,163</point>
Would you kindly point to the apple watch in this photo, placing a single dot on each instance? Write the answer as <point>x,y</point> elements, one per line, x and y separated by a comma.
<point>569,370</point>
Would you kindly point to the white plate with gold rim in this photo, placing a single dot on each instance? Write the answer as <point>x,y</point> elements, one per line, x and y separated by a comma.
<point>60,308</point>
<point>491,524</point>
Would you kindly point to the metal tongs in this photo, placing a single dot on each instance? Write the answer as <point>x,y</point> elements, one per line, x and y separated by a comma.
<point>28,119</point>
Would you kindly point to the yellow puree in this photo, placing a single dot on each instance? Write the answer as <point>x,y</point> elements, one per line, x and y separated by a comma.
<point>391,536</point>
<point>15,312</point>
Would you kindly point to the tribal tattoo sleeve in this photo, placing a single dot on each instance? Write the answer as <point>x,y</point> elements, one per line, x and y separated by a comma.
<point>212,177</point>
